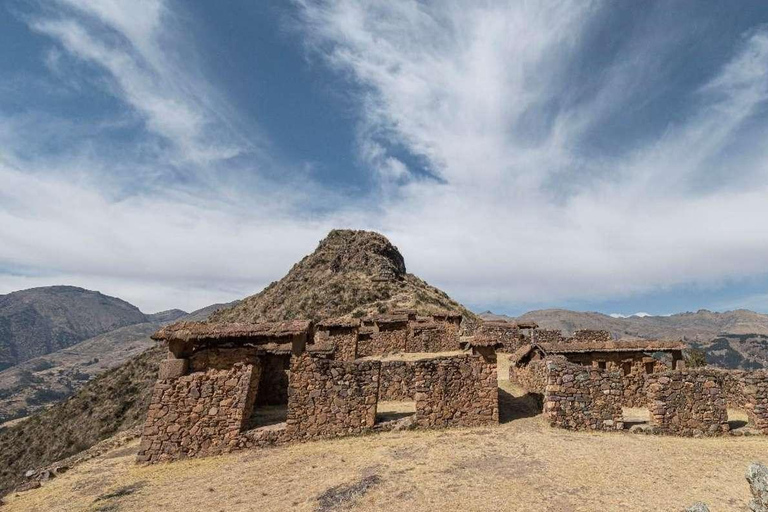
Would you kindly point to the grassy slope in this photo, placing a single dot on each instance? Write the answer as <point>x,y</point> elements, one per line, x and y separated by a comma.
<point>520,465</point>
<point>113,401</point>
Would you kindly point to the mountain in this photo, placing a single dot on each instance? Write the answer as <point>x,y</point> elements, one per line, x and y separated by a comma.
<point>166,316</point>
<point>38,321</point>
<point>355,273</point>
<point>351,273</point>
<point>700,326</point>
<point>733,339</point>
<point>37,383</point>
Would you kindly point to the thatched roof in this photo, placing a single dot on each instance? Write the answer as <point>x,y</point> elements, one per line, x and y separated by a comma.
<point>612,346</point>
<point>527,325</point>
<point>201,331</point>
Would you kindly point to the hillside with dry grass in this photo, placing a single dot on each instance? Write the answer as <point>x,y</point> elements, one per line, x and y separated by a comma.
<point>351,273</point>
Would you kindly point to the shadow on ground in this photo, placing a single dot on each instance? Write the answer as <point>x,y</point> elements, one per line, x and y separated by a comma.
<point>517,407</point>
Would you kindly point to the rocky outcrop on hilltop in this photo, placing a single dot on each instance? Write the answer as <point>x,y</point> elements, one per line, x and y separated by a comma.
<point>351,273</point>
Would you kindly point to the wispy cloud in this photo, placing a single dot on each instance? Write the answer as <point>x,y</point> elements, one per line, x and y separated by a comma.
<point>524,215</point>
<point>532,192</point>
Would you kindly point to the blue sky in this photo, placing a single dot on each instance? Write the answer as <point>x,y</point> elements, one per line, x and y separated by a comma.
<point>588,155</point>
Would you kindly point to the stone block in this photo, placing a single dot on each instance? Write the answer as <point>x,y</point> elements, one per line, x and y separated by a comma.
<point>172,368</point>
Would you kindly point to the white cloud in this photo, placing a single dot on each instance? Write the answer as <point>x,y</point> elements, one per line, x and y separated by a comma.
<point>523,215</point>
<point>520,212</point>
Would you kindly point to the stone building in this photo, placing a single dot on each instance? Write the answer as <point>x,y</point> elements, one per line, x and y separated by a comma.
<point>220,381</point>
<point>633,359</point>
<point>585,386</point>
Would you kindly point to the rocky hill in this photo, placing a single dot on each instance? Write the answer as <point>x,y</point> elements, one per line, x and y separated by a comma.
<point>39,321</point>
<point>354,273</point>
<point>351,273</point>
<point>733,339</point>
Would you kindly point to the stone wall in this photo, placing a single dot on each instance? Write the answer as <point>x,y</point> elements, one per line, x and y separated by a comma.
<point>532,377</point>
<point>198,414</point>
<point>455,391</point>
<point>688,402</point>
<point>755,391</point>
<point>343,341</point>
<point>590,336</point>
<point>582,398</point>
<point>331,398</point>
<point>223,358</point>
<point>396,381</point>
<point>633,366</point>
<point>505,333</point>
<point>435,337</point>
<point>389,339</point>
<point>547,336</point>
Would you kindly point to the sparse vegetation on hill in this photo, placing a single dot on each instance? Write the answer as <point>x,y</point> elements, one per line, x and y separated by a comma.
<point>37,383</point>
<point>113,401</point>
<point>353,273</point>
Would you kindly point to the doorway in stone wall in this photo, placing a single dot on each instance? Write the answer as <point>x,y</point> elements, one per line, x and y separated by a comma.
<point>271,403</point>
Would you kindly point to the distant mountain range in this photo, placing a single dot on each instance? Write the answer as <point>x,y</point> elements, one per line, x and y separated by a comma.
<point>733,339</point>
<point>39,321</point>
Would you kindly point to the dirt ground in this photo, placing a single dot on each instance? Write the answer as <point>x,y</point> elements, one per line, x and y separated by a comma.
<point>522,464</point>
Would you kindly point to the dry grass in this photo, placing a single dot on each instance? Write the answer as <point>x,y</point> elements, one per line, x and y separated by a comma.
<point>520,465</point>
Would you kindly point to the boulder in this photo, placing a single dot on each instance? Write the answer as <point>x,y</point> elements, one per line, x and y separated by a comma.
<point>757,476</point>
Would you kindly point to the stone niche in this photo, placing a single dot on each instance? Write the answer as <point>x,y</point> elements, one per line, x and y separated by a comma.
<point>455,391</point>
<point>688,402</point>
<point>329,398</point>
<point>582,398</point>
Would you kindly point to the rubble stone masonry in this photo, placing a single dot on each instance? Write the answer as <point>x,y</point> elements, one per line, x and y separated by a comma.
<point>396,381</point>
<point>582,398</point>
<point>198,414</point>
<point>531,377</point>
<point>455,391</point>
<point>331,398</point>
<point>688,402</point>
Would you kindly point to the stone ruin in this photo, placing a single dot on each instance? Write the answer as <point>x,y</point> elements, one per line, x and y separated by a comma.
<point>235,386</point>
<point>586,385</point>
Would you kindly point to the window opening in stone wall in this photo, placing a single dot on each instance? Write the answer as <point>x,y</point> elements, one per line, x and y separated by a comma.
<point>601,365</point>
<point>649,368</point>
<point>626,367</point>
<point>738,420</point>
<point>392,413</point>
